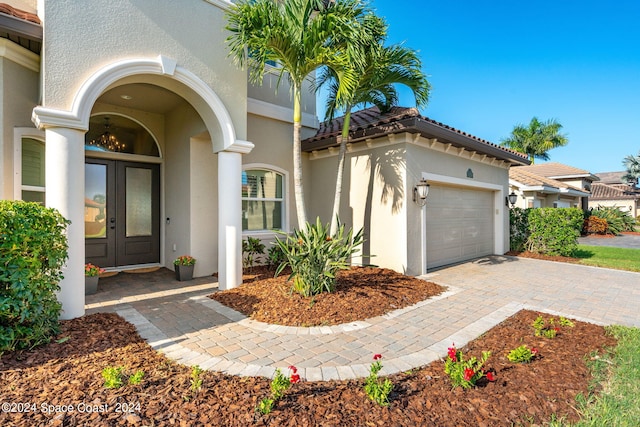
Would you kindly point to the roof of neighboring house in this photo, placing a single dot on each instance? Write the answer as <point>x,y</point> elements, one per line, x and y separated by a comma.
<point>611,177</point>
<point>526,178</point>
<point>602,191</point>
<point>558,171</point>
<point>371,123</point>
<point>21,27</point>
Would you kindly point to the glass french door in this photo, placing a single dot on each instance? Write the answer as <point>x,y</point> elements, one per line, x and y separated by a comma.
<point>121,213</point>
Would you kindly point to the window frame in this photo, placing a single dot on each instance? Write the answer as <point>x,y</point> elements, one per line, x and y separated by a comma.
<point>284,199</point>
<point>20,133</point>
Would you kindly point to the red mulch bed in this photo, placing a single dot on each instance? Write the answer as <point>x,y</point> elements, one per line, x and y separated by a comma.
<point>69,373</point>
<point>361,293</point>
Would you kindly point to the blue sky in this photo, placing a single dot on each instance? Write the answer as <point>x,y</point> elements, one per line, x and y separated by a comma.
<point>495,64</point>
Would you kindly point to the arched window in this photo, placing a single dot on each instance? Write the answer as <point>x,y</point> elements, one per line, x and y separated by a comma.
<point>263,200</point>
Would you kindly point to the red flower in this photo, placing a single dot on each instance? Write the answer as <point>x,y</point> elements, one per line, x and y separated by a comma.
<point>293,369</point>
<point>295,378</point>
<point>490,376</point>
<point>534,351</point>
<point>468,374</point>
<point>377,356</point>
<point>453,354</point>
<point>556,329</point>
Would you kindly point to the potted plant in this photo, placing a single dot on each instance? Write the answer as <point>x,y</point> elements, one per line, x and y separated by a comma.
<point>184,267</point>
<point>91,277</point>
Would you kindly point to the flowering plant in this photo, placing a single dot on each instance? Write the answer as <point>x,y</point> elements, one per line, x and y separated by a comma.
<point>91,270</point>
<point>376,390</point>
<point>279,385</point>
<point>463,373</point>
<point>184,260</point>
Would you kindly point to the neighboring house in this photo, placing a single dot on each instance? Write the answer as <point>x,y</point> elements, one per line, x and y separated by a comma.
<point>536,191</point>
<point>551,185</point>
<point>135,125</point>
<point>388,154</point>
<point>613,191</point>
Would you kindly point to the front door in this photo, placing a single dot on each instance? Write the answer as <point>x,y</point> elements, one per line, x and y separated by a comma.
<point>122,213</point>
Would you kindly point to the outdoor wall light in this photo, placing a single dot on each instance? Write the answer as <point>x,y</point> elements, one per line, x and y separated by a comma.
<point>420,192</point>
<point>511,199</point>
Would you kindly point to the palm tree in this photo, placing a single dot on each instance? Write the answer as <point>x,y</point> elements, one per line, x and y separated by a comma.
<point>632,164</point>
<point>300,35</point>
<point>536,139</point>
<point>384,67</point>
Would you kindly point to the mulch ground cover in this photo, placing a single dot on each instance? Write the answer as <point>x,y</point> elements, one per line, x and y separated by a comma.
<point>361,293</point>
<point>61,384</point>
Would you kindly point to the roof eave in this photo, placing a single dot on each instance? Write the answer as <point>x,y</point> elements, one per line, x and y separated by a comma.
<point>21,28</point>
<point>427,130</point>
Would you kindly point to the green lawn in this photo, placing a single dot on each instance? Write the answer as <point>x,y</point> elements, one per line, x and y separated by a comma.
<point>604,256</point>
<point>617,375</point>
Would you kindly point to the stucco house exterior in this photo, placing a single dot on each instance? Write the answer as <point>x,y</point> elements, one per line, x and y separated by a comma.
<point>551,185</point>
<point>130,119</point>
<point>613,191</point>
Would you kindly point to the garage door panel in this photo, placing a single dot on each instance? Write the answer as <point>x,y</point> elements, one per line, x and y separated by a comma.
<point>459,224</point>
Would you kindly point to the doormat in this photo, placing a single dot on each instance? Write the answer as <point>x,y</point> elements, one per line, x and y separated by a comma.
<point>109,274</point>
<point>142,270</point>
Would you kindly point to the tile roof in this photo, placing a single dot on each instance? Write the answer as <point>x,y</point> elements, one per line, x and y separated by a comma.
<point>371,123</point>
<point>531,179</point>
<point>601,191</point>
<point>611,177</point>
<point>17,13</point>
<point>557,170</point>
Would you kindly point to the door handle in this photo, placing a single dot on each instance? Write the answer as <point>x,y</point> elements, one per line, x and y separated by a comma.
<point>112,221</point>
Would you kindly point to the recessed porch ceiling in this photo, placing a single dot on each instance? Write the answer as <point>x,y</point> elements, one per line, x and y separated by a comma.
<point>143,97</point>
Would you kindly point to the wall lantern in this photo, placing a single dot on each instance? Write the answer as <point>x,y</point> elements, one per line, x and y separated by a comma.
<point>420,192</point>
<point>511,199</point>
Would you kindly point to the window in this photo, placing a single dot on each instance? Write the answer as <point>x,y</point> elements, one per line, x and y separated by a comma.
<point>262,200</point>
<point>32,187</point>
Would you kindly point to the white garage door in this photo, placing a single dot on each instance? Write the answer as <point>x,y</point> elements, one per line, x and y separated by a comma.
<point>459,224</point>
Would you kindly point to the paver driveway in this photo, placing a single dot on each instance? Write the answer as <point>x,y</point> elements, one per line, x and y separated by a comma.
<point>193,329</point>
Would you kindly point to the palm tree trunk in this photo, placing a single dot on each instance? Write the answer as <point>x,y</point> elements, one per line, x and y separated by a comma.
<point>297,158</point>
<point>340,173</point>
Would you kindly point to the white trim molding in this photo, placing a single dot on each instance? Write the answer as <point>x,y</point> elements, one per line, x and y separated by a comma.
<point>217,118</point>
<point>18,134</point>
<point>21,56</point>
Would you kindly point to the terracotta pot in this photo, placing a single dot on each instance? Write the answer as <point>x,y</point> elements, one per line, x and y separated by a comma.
<point>184,272</point>
<point>91,284</point>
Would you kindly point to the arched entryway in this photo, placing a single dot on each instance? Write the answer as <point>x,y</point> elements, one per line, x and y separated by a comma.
<point>65,158</point>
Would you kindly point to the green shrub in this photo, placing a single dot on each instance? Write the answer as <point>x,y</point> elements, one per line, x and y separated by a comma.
<point>250,248</point>
<point>275,256</point>
<point>617,220</point>
<point>33,249</point>
<point>519,227</point>
<point>315,257</point>
<point>554,231</point>
<point>522,354</point>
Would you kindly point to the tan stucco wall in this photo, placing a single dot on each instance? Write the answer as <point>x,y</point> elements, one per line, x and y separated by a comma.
<point>26,5</point>
<point>19,94</point>
<point>393,228</point>
<point>188,186</point>
<point>421,159</point>
<point>374,182</point>
<point>191,32</point>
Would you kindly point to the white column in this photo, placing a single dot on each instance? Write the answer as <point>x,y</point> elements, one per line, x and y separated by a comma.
<point>230,214</point>
<point>64,166</point>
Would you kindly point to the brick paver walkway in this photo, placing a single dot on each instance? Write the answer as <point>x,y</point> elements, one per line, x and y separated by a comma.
<point>178,319</point>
